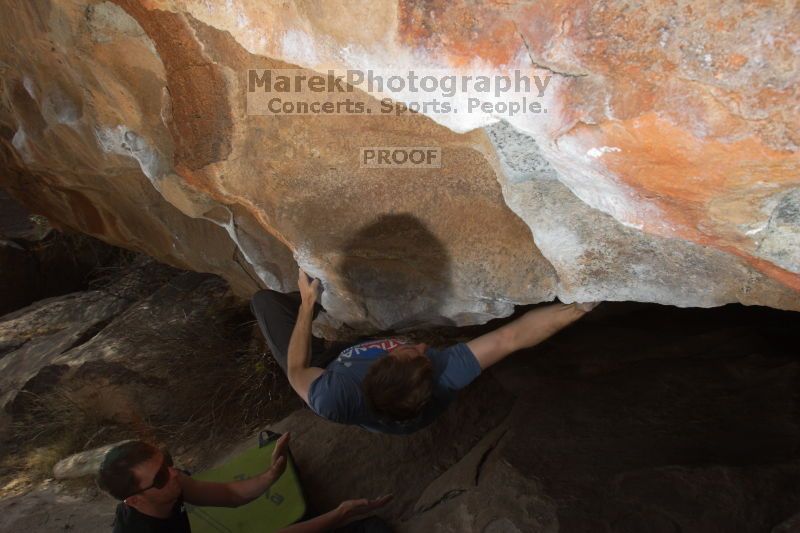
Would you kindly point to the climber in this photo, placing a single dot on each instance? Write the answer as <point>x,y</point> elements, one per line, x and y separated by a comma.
<point>153,492</point>
<point>388,385</point>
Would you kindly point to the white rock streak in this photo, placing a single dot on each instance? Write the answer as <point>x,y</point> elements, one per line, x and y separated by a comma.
<point>122,141</point>
<point>263,274</point>
<point>598,152</point>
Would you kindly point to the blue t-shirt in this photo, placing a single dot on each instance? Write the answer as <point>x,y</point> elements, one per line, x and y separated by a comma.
<point>338,395</point>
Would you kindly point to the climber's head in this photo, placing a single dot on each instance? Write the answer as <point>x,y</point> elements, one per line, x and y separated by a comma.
<point>399,385</point>
<point>140,474</point>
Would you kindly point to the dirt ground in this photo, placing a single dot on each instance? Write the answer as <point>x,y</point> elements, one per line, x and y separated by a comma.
<point>640,418</point>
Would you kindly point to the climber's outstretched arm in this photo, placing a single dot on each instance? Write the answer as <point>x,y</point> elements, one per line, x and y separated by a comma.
<point>300,374</point>
<point>528,330</point>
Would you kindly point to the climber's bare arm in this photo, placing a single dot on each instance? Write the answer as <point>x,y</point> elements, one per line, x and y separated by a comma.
<point>528,330</point>
<point>300,374</point>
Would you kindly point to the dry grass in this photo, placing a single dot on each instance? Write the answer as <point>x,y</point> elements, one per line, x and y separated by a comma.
<point>214,397</point>
<point>199,382</point>
<point>54,426</point>
<point>224,388</point>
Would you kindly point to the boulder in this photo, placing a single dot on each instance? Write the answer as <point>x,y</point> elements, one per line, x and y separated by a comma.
<point>663,167</point>
<point>86,463</point>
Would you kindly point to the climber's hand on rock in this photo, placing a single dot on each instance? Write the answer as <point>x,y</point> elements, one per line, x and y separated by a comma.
<point>308,288</point>
<point>586,306</point>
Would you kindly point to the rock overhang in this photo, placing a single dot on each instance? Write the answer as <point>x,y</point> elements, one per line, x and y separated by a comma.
<point>665,169</point>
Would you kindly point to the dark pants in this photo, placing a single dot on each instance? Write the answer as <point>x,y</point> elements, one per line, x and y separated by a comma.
<point>276,314</point>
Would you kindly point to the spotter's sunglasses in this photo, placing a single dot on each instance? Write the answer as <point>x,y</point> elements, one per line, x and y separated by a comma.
<point>161,478</point>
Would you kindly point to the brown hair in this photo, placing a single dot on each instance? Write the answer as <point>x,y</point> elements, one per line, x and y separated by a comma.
<point>399,388</point>
<point>116,473</point>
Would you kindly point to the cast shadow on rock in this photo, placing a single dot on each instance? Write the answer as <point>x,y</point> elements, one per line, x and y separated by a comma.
<point>398,272</point>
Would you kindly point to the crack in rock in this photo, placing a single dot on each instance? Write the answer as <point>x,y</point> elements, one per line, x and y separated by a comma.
<point>447,496</point>
<point>485,456</point>
<point>545,67</point>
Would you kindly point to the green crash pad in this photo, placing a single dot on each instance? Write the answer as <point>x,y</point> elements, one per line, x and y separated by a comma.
<point>283,504</point>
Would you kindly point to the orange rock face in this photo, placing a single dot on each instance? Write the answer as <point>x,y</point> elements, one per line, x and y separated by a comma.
<point>663,168</point>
